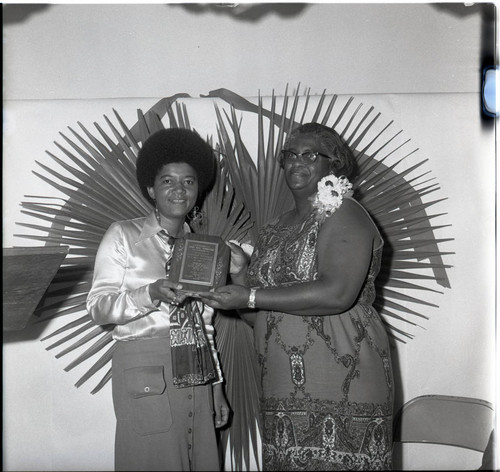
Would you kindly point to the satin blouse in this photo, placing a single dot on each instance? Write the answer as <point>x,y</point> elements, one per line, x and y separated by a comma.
<point>130,257</point>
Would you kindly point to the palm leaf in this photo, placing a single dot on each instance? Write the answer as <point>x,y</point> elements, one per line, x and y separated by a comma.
<point>395,203</point>
<point>98,178</point>
<point>221,214</point>
<point>235,344</point>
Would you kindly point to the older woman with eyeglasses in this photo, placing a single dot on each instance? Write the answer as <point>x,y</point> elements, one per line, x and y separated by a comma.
<point>166,378</point>
<point>327,381</point>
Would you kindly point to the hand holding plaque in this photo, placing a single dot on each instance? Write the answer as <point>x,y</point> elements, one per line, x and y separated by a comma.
<point>200,262</point>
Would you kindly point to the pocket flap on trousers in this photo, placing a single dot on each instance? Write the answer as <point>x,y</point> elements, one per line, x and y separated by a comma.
<point>145,380</point>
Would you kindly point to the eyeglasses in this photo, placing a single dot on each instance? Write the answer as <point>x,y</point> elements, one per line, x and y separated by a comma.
<point>307,157</point>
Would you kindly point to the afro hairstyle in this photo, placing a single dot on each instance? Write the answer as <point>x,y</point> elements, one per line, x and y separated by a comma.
<point>175,145</point>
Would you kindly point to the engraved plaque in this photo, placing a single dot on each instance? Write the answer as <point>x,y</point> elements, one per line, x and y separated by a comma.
<point>200,262</point>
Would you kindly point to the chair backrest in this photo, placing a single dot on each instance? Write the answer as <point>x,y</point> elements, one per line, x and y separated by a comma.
<point>442,419</point>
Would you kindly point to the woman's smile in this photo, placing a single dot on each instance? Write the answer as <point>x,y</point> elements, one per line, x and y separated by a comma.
<point>297,175</point>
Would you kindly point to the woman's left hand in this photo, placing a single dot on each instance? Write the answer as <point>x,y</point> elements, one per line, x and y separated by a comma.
<point>239,259</point>
<point>221,406</point>
<point>229,297</point>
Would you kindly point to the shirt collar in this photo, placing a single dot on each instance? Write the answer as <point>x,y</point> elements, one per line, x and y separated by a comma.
<point>151,227</point>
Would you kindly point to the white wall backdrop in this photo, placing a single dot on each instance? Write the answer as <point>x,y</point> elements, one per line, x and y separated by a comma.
<point>131,50</point>
<point>416,64</point>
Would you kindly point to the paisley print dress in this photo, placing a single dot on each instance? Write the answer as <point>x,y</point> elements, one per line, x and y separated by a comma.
<point>327,383</point>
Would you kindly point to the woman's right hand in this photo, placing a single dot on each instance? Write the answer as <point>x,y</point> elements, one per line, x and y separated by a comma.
<point>228,297</point>
<point>166,291</point>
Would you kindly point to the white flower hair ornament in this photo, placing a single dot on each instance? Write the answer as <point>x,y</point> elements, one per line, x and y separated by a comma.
<point>330,194</point>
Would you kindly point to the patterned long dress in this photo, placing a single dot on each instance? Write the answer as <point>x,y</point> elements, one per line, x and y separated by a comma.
<point>327,383</point>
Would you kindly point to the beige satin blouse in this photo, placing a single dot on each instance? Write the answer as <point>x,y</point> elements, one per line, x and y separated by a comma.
<point>130,257</point>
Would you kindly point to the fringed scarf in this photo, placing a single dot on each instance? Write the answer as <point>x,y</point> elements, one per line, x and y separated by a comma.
<point>192,361</point>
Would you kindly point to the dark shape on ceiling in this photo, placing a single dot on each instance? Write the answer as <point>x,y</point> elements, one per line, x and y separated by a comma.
<point>18,12</point>
<point>245,11</point>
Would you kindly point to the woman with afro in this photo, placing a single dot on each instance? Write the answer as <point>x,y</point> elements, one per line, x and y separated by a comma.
<point>167,403</point>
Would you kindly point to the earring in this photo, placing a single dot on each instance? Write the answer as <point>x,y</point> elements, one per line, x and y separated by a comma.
<point>157,214</point>
<point>196,216</point>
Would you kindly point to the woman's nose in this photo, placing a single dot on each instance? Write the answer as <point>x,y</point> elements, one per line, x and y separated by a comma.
<point>179,188</point>
<point>297,163</point>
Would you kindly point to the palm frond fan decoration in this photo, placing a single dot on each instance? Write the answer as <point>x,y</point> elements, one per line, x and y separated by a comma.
<point>394,199</point>
<point>98,178</point>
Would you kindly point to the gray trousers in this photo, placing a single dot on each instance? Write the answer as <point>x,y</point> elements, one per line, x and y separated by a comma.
<point>159,426</point>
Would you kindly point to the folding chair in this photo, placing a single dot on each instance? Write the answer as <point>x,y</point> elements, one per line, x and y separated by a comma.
<point>448,420</point>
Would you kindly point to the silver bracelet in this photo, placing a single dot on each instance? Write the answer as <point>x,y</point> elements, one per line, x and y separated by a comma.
<point>251,298</point>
